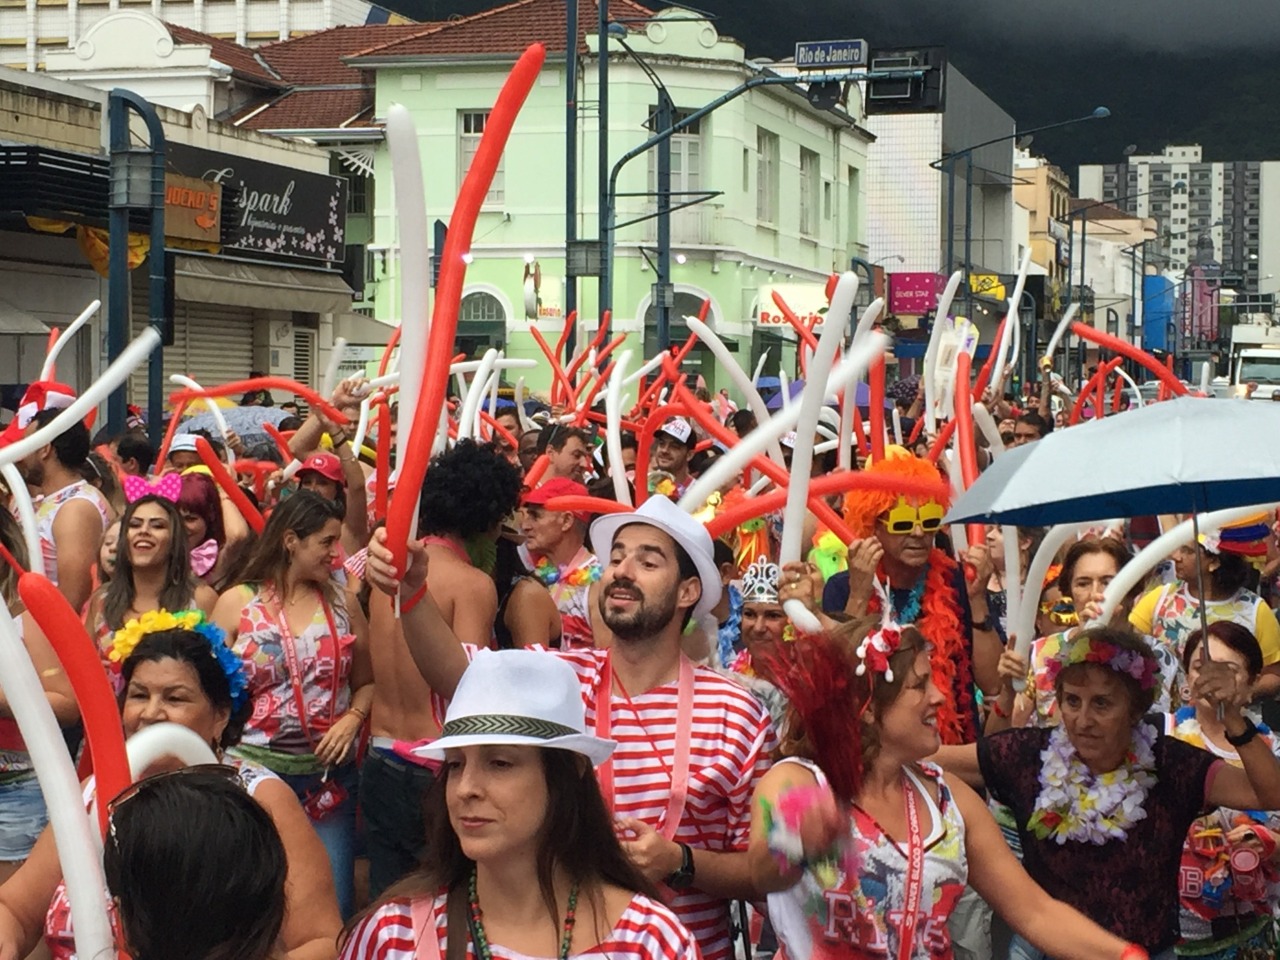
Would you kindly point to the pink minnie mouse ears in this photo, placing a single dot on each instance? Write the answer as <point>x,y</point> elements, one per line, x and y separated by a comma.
<point>168,487</point>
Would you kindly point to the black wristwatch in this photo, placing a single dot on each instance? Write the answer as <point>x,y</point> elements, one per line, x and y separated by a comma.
<point>682,879</point>
<point>1250,731</point>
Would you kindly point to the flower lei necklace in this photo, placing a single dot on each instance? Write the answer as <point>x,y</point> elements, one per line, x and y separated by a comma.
<point>1076,804</point>
<point>549,574</point>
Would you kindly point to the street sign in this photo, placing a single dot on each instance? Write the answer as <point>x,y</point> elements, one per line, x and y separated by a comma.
<point>828,54</point>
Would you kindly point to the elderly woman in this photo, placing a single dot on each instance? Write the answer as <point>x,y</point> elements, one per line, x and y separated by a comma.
<point>1104,800</point>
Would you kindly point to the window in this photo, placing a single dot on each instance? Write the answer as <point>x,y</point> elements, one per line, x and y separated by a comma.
<point>358,193</point>
<point>686,161</point>
<point>484,307</point>
<point>470,128</point>
<point>826,199</point>
<point>746,169</point>
<point>810,176</point>
<point>766,176</point>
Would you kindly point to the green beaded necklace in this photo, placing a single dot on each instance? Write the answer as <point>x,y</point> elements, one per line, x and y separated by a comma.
<point>477,923</point>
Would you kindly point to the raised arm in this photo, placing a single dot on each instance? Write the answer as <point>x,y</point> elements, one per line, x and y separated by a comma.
<point>435,649</point>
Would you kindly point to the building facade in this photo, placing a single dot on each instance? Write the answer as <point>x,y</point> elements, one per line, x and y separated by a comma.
<point>1044,191</point>
<point>787,181</point>
<point>1192,199</point>
<point>30,29</point>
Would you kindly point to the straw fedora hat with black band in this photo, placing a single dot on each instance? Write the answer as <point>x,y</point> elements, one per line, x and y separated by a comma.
<point>521,698</point>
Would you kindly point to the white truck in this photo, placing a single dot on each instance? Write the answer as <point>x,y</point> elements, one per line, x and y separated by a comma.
<point>1255,356</point>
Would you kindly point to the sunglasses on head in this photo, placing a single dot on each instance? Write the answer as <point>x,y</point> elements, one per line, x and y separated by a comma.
<point>904,518</point>
<point>128,793</point>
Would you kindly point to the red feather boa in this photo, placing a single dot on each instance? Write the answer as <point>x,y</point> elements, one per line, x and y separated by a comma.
<point>941,623</point>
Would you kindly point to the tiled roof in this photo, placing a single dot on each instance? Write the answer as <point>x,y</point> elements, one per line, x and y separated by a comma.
<point>505,29</point>
<point>316,58</point>
<point>240,59</point>
<point>308,110</point>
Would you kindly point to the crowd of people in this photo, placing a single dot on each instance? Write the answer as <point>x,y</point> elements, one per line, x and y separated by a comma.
<point>570,727</point>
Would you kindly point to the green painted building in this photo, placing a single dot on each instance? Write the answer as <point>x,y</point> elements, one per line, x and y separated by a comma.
<point>789,178</point>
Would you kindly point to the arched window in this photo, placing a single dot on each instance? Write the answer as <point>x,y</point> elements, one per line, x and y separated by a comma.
<point>481,307</point>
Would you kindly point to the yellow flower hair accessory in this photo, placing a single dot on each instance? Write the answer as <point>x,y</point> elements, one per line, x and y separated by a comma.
<point>154,621</point>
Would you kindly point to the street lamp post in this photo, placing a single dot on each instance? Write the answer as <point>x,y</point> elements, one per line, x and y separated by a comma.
<point>950,160</point>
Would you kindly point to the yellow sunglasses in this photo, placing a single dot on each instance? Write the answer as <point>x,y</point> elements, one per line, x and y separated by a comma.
<point>904,518</point>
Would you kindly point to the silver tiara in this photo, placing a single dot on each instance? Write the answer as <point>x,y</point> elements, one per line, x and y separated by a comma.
<point>760,582</point>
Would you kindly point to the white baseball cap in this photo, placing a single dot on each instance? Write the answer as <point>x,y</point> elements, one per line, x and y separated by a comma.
<point>678,428</point>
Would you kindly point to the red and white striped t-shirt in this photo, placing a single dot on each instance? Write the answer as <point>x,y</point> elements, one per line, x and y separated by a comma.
<point>732,740</point>
<point>645,931</point>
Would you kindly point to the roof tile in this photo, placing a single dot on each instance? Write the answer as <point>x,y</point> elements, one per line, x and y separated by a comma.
<point>240,59</point>
<point>316,58</point>
<point>308,110</point>
<point>505,29</point>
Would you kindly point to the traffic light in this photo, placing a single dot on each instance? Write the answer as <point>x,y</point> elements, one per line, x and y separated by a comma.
<point>926,94</point>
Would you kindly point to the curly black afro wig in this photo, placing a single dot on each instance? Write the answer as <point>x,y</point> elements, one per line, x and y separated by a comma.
<point>467,491</point>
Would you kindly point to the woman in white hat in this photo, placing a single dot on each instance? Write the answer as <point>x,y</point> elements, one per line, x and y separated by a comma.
<point>524,859</point>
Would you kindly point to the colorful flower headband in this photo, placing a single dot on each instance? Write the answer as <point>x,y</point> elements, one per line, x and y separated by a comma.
<point>1085,649</point>
<point>127,638</point>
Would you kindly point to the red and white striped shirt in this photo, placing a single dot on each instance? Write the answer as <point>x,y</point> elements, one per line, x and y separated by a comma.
<point>646,931</point>
<point>731,743</point>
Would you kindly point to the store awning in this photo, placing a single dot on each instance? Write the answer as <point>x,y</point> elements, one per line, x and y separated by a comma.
<point>255,285</point>
<point>18,322</point>
<point>360,328</point>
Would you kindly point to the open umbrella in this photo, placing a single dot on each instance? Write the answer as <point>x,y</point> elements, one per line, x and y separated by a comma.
<point>1186,455</point>
<point>246,421</point>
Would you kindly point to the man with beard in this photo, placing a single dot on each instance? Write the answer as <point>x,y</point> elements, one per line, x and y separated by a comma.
<point>673,445</point>
<point>691,744</point>
<point>71,513</point>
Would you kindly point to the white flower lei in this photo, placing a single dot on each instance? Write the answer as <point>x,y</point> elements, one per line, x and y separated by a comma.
<point>1076,804</point>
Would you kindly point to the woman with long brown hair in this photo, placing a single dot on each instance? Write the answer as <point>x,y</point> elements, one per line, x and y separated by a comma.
<point>524,859</point>
<point>307,659</point>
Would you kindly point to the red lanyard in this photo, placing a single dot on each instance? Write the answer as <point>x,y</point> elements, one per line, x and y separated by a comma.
<point>684,729</point>
<point>295,669</point>
<point>915,872</point>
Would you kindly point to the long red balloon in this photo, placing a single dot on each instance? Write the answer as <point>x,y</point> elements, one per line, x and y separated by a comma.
<point>168,436</point>
<point>565,393</point>
<point>875,388</point>
<point>1116,345</point>
<point>569,321</point>
<point>984,375</point>
<point>571,504</point>
<point>444,319</point>
<point>281,441</point>
<point>229,486</point>
<point>840,482</point>
<point>965,449</point>
<point>386,353</point>
<point>941,441</point>
<point>82,662</point>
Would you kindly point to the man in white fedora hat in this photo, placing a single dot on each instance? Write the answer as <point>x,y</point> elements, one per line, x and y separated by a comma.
<point>691,744</point>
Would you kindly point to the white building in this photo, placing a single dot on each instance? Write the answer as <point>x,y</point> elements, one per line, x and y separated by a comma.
<point>30,29</point>
<point>1195,201</point>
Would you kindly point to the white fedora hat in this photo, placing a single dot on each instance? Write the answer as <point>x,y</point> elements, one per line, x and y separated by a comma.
<point>522,697</point>
<point>691,535</point>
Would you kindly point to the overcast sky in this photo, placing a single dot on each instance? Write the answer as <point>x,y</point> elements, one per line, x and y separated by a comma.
<point>1146,24</point>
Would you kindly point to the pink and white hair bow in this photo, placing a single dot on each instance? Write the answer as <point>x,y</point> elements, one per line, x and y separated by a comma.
<point>204,557</point>
<point>168,487</point>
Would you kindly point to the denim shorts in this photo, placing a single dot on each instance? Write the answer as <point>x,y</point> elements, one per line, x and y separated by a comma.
<point>22,818</point>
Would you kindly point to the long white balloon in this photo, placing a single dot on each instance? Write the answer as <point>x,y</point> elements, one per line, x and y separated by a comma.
<point>613,428</point>
<point>844,458</point>
<point>1022,626</point>
<point>466,418</point>
<point>647,368</point>
<point>525,422</point>
<point>811,400</point>
<point>1061,330</point>
<point>730,366</point>
<point>755,377</point>
<point>336,356</point>
<point>931,351</point>
<point>1137,394</point>
<point>785,395</point>
<point>1163,545</point>
<point>79,848</point>
<point>1013,593</point>
<point>46,371</point>
<point>216,412</point>
<point>362,425</point>
<point>1009,335</point>
<point>115,375</point>
<point>983,420</point>
<point>853,365</point>
<point>161,740</point>
<point>415,259</point>
<point>26,516</point>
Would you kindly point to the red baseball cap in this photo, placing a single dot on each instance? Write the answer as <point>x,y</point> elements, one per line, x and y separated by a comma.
<point>325,464</point>
<point>557,487</point>
<point>40,396</point>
